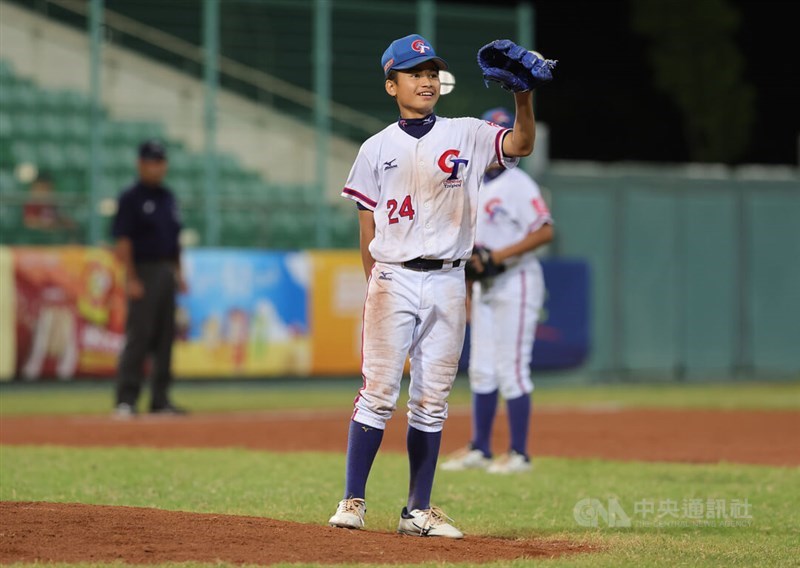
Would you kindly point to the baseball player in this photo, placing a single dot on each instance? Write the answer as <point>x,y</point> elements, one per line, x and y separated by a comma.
<point>416,186</point>
<point>507,295</point>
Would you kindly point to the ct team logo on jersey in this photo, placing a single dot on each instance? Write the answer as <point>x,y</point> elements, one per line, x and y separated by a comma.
<point>494,209</point>
<point>420,46</point>
<point>450,163</point>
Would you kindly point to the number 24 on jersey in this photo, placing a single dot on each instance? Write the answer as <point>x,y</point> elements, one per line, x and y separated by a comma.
<point>406,210</point>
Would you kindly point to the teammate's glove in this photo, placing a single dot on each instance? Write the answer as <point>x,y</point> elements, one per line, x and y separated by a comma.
<point>481,265</point>
<point>513,66</point>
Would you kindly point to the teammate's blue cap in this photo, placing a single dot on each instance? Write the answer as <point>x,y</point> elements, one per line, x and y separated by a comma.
<point>408,52</point>
<point>499,116</point>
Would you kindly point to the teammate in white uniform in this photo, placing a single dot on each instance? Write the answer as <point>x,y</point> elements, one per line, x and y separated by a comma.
<point>513,220</point>
<point>416,186</point>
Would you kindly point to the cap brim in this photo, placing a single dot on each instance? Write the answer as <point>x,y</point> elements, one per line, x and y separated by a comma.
<point>411,63</point>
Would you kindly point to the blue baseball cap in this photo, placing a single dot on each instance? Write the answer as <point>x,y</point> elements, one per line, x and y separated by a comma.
<point>408,52</point>
<point>499,115</point>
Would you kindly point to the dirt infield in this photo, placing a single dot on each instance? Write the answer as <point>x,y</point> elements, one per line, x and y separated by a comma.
<point>51,532</point>
<point>83,533</point>
<point>694,436</point>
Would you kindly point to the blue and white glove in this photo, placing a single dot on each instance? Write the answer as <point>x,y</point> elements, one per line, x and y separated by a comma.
<point>513,66</point>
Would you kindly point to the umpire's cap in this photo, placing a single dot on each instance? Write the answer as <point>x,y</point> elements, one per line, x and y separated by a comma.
<point>152,150</point>
<point>408,52</point>
<point>500,116</point>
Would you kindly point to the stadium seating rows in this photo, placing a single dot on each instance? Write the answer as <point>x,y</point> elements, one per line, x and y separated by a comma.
<point>49,129</point>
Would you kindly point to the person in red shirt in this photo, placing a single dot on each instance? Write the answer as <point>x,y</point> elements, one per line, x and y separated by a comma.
<point>40,211</point>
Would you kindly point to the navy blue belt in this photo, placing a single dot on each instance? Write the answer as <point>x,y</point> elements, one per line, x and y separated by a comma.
<point>426,264</point>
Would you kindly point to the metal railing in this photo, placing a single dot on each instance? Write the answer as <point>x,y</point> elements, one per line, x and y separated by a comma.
<point>257,78</point>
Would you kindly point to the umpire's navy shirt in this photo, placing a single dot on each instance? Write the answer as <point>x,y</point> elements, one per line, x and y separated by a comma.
<point>149,217</point>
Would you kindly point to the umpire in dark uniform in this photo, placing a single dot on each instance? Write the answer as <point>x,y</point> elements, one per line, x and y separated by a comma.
<point>146,229</point>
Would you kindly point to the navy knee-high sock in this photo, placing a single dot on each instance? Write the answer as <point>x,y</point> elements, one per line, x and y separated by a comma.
<point>423,452</point>
<point>519,415</point>
<point>484,407</point>
<point>362,447</point>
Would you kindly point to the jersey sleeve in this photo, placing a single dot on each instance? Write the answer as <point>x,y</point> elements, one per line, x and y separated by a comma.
<point>490,137</point>
<point>533,210</point>
<point>362,183</point>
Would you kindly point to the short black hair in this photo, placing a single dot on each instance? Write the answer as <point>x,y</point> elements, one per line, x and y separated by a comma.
<point>392,75</point>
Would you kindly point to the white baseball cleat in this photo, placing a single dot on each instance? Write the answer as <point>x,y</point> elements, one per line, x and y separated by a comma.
<point>427,522</point>
<point>512,462</point>
<point>466,458</point>
<point>349,514</point>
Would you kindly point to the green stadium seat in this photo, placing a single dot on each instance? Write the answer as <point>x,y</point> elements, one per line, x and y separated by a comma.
<point>76,127</point>
<point>282,229</point>
<point>8,183</point>
<point>6,126</point>
<point>25,125</point>
<point>78,103</point>
<point>48,101</point>
<point>179,162</point>
<point>52,127</point>
<point>249,189</point>
<point>20,96</point>
<point>6,154</point>
<point>120,158</point>
<point>344,229</point>
<point>72,182</point>
<point>197,167</point>
<point>50,156</point>
<point>11,225</point>
<point>77,156</point>
<point>23,152</point>
<point>183,187</point>
<point>6,71</point>
<point>8,95</point>
<point>267,193</point>
<point>192,218</point>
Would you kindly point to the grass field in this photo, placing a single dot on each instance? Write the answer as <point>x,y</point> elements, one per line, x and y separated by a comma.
<point>96,398</point>
<point>305,486</point>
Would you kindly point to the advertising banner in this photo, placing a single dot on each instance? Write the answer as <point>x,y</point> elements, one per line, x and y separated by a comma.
<point>562,336</point>
<point>70,312</point>
<point>336,301</point>
<point>562,333</point>
<point>8,318</point>
<point>245,315</point>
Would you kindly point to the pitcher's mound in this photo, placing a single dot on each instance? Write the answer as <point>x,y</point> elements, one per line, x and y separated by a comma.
<point>55,532</point>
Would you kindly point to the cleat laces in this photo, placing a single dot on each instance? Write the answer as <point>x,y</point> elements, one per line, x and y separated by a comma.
<point>354,506</point>
<point>434,517</point>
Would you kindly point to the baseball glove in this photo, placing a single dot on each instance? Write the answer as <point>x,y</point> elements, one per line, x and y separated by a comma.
<point>513,66</point>
<point>481,266</point>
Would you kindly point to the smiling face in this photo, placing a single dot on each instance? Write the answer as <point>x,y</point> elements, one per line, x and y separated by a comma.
<point>415,90</point>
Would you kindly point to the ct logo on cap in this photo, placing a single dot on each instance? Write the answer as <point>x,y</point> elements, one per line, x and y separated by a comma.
<point>420,46</point>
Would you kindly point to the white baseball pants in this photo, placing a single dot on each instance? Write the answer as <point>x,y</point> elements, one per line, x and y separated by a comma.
<point>416,314</point>
<point>502,329</point>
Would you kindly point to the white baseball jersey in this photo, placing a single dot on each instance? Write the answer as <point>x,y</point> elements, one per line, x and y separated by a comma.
<point>424,192</point>
<point>424,195</point>
<point>505,309</point>
<point>509,207</point>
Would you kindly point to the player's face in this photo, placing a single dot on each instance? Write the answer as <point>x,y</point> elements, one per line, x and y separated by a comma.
<point>416,90</point>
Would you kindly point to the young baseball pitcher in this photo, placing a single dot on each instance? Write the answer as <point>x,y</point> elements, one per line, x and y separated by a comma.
<point>507,294</point>
<point>416,186</point>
